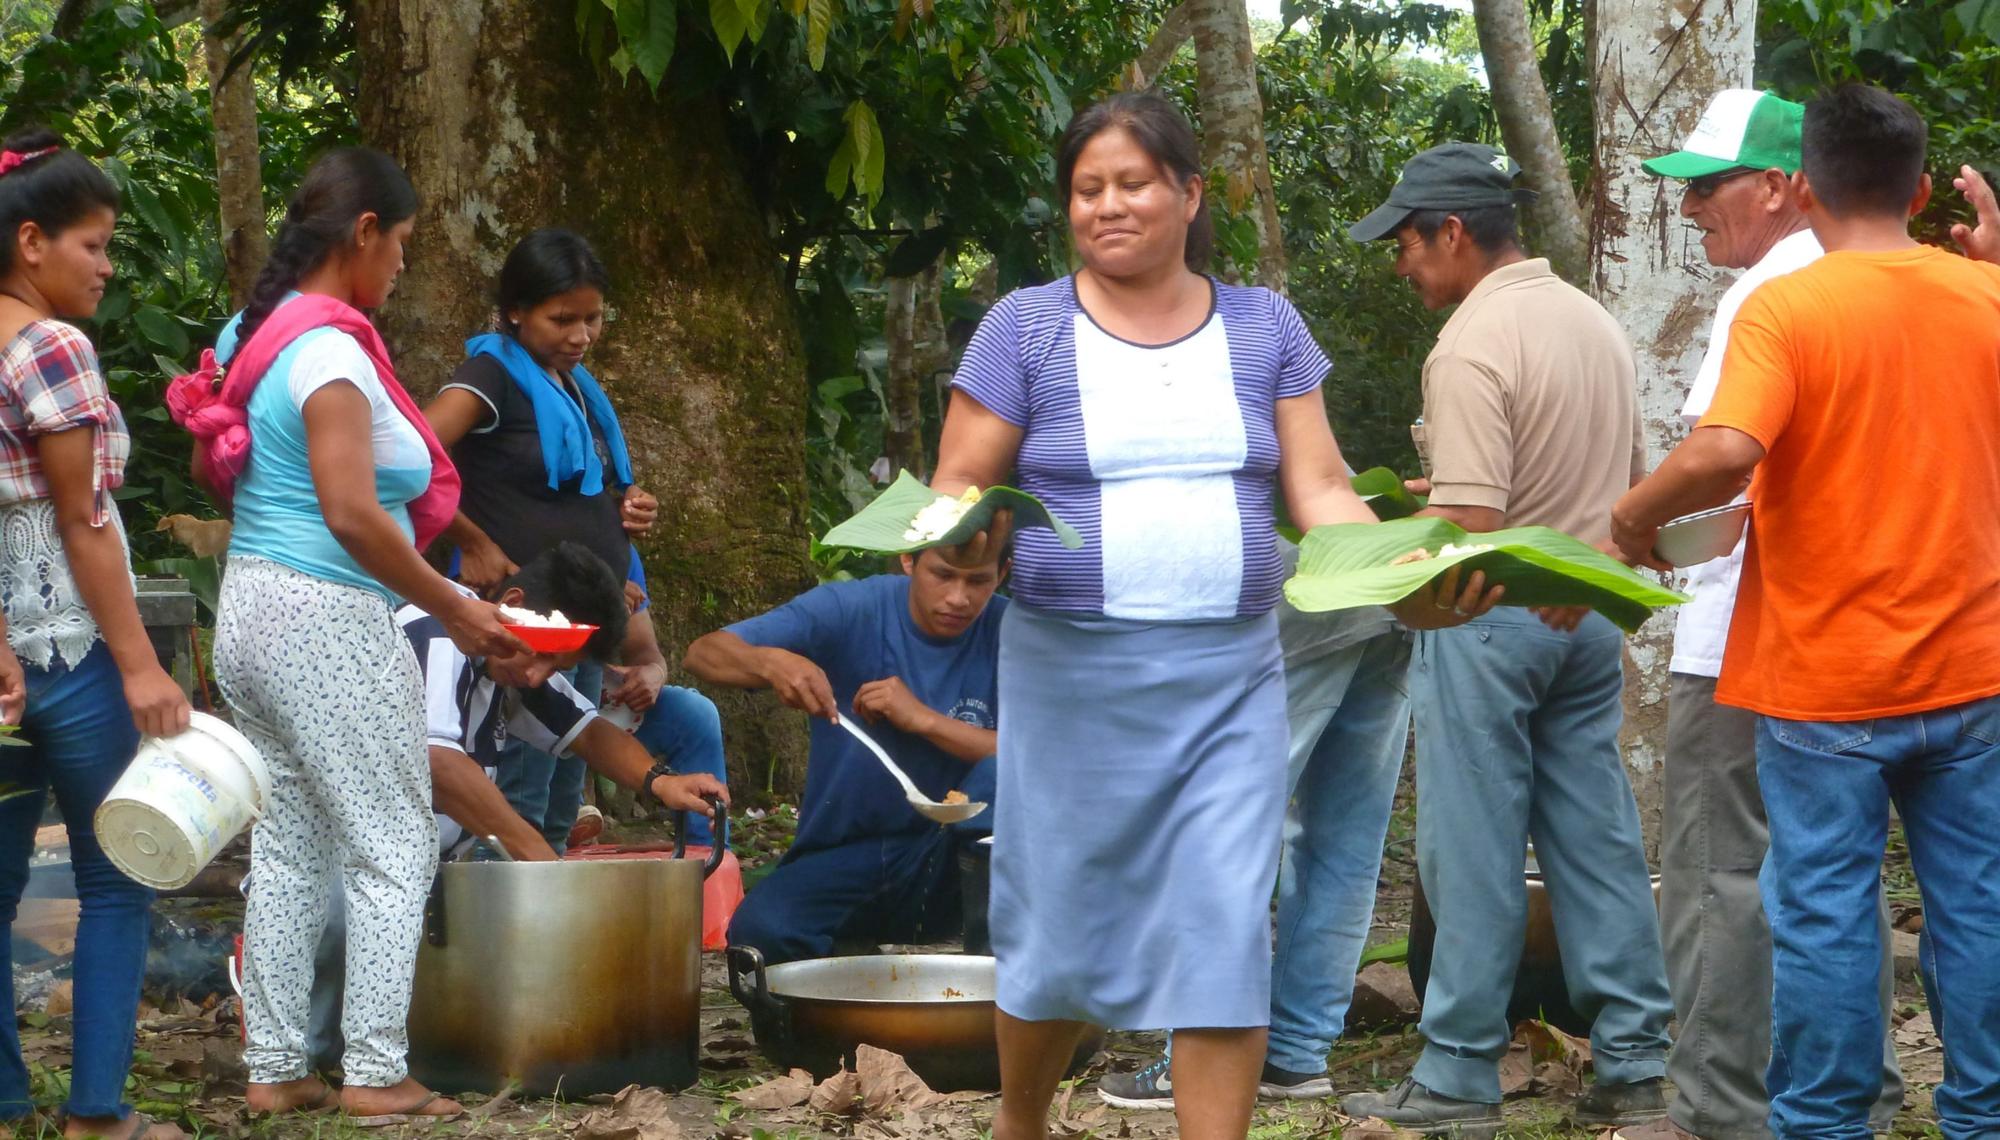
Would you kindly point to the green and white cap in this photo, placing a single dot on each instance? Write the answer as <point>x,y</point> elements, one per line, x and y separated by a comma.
<point>1740,128</point>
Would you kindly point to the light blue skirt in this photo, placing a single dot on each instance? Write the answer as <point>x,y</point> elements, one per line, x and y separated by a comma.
<point>1141,793</point>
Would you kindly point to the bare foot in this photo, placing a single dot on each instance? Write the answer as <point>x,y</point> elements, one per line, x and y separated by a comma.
<point>307,1093</point>
<point>407,1099</point>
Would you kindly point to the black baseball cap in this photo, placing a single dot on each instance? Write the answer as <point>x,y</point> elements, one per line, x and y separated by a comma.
<point>1455,176</point>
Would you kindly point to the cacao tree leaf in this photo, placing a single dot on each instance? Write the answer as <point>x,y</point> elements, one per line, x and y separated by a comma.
<point>653,47</point>
<point>840,168</point>
<point>756,14</point>
<point>819,24</point>
<point>866,150</point>
<point>730,24</point>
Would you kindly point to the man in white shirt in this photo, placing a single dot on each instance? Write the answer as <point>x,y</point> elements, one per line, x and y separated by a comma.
<point>1737,166</point>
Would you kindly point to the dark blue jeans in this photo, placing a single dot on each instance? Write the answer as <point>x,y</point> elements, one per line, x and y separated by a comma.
<point>685,730</point>
<point>891,888</point>
<point>1827,788</point>
<point>548,790</point>
<point>80,739</point>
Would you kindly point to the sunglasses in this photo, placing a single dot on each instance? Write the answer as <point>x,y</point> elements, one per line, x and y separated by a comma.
<point>1708,184</point>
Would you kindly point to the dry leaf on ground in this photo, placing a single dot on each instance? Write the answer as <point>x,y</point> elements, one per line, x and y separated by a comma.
<point>836,1094</point>
<point>887,1083</point>
<point>635,1114</point>
<point>789,1091</point>
<point>1917,1032</point>
<point>1543,1060</point>
<point>1372,1128</point>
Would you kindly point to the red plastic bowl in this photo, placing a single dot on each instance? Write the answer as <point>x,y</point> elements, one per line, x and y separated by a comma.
<point>553,639</point>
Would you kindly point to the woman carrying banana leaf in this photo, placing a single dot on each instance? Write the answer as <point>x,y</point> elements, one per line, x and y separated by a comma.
<point>1142,725</point>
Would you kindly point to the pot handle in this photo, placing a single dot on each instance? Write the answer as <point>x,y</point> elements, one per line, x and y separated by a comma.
<point>718,817</point>
<point>434,910</point>
<point>747,962</point>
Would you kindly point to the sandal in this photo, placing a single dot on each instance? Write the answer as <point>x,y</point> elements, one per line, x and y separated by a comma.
<point>414,1114</point>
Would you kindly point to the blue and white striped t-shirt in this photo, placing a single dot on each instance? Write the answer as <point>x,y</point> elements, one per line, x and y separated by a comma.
<point>1163,456</point>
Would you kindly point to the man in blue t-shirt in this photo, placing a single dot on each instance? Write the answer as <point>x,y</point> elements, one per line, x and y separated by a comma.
<point>915,658</point>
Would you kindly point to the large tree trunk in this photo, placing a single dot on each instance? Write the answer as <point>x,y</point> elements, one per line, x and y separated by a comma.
<point>504,126</point>
<point>914,332</point>
<point>239,175</point>
<point>1232,125</point>
<point>1651,78</point>
<point>1528,127</point>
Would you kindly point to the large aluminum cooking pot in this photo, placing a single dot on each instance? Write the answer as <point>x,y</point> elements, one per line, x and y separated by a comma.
<point>578,976</point>
<point>935,1009</point>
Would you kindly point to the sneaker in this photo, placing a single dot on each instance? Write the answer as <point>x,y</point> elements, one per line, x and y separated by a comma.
<point>1150,1087</point>
<point>1617,1105</point>
<point>588,826</point>
<point>1284,1084</point>
<point>1412,1106</point>
<point>1661,1129</point>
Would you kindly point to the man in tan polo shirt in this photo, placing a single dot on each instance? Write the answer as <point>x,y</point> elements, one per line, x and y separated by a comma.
<point>1530,418</point>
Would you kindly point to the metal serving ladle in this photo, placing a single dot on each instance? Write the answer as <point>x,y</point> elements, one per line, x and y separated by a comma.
<point>926,806</point>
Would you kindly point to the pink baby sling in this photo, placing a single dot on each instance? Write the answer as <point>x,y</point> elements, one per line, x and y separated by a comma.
<point>212,403</point>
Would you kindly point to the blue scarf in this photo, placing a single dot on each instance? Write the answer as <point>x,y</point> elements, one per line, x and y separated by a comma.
<point>567,452</point>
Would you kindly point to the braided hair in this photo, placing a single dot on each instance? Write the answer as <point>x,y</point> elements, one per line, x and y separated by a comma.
<point>54,191</point>
<point>341,186</point>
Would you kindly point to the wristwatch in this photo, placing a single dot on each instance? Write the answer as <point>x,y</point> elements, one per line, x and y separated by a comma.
<point>659,768</point>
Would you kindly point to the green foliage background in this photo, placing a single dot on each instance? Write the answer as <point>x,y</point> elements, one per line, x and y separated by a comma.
<point>885,136</point>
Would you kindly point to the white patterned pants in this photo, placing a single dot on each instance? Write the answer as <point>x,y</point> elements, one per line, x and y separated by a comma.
<point>326,687</point>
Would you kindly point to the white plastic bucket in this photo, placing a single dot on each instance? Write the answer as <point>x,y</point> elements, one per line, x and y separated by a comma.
<point>182,799</point>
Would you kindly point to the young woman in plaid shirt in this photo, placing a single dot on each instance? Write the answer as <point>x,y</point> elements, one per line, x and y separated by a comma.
<point>92,682</point>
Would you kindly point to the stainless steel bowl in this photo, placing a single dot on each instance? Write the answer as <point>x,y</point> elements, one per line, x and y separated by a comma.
<point>1693,539</point>
<point>936,1010</point>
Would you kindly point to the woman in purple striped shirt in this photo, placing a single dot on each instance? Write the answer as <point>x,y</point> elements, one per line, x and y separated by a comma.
<point>1142,705</point>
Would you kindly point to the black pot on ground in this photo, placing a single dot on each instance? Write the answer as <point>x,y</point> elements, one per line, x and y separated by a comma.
<point>975,872</point>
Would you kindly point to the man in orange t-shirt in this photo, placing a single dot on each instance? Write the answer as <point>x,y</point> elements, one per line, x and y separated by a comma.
<point>1867,632</point>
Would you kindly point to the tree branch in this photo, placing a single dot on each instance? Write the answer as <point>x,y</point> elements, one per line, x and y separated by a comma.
<point>1175,29</point>
<point>1528,127</point>
<point>70,17</point>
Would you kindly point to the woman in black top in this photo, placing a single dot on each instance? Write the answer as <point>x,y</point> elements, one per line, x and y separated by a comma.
<point>526,486</point>
<point>543,461</point>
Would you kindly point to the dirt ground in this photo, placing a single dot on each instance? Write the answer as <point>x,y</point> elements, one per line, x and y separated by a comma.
<point>189,1070</point>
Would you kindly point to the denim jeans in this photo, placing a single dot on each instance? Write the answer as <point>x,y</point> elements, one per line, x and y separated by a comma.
<point>1350,720</point>
<point>80,739</point>
<point>685,730</point>
<point>1712,845</point>
<point>1517,738</point>
<point>1827,789</point>
<point>548,790</point>
<point>892,888</point>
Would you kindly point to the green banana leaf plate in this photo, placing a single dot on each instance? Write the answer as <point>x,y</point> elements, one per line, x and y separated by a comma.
<point>883,526</point>
<point>1383,491</point>
<point>1347,565</point>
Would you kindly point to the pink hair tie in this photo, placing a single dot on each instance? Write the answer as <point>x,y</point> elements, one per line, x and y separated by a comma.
<point>9,159</point>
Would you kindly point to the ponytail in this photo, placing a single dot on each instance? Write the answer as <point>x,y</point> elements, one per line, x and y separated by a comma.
<point>341,186</point>
<point>43,182</point>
